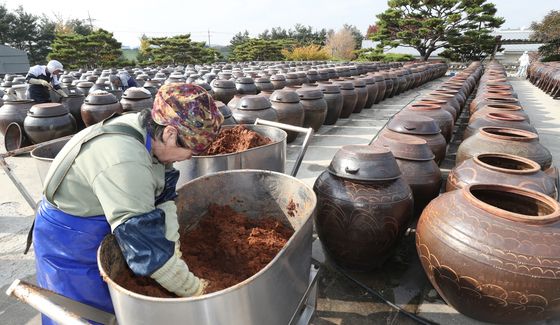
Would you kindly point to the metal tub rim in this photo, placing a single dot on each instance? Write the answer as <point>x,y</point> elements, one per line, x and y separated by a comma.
<point>252,127</point>
<point>112,284</point>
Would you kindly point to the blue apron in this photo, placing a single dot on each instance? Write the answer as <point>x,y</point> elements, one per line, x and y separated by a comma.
<point>66,250</point>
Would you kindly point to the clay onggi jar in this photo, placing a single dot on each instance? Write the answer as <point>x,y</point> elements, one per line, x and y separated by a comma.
<point>363,206</point>
<point>500,168</point>
<point>491,251</point>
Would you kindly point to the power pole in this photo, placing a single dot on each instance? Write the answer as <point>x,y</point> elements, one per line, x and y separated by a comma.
<point>209,37</point>
<point>90,20</point>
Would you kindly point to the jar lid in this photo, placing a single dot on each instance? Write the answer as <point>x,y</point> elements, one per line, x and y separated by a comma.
<point>405,146</point>
<point>345,85</point>
<point>364,163</point>
<point>253,103</point>
<point>137,93</point>
<point>222,83</point>
<point>245,80</point>
<point>309,93</point>
<point>284,96</point>
<point>47,110</point>
<point>329,89</point>
<point>100,97</point>
<point>413,124</point>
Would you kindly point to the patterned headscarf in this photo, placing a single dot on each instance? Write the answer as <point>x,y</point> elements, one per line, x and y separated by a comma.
<point>191,110</point>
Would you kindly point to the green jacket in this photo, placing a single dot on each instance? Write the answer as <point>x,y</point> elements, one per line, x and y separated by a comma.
<point>114,175</point>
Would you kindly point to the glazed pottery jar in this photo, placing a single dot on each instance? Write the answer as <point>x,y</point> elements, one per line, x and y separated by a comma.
<point>14,111</point>
<point>389,85</point>
<point>289,109</point>
<point>499,120</point>
<point>349,97</point>
<point>491,251</point>
<point>417,165</point>
<point>278,81</point>
<point>314,106</point>
<point>372,89</point>
<point>443,118</point>
<point>48,121</point>
<point>246,86</point>
<point>226,112</point>
<point>505,140</point>
<point>363,207</point>
<point>74,103</point>
<point>264,84</point>
<point>333,97</point>
<point>224,90</point>
<point>135,99</point>
<point>499,108</point>
<point>450,99</point>
<point>481,101</point>
<point>361,91</point>
<point>439,102</point>
<point>500,168</point>
<point>382,87</point>
<point>99,105</point>
<point>422,127</point>
<point>84,86</point>
<point>251,107</point>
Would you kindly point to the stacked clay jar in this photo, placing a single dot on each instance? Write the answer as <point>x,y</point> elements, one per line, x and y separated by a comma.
<point>546,76</point>
<point>489,245</point>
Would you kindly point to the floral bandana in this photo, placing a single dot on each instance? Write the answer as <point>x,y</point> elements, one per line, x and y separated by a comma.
<point>191,110</point>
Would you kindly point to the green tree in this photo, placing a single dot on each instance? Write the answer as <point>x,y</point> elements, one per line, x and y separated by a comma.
<point>473,45</point>
<point>304,35</point>
<point>239,38</point>
<point>428,25</point>
<point>548,31</point>
<point>356,34</point>
<point>256,49</point>
<point>6,22</point>
<point>177,50</point>
<point>98,49</point>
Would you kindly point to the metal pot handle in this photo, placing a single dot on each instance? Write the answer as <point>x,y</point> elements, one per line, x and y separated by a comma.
<point>308,133</point>
<point>57,307</point>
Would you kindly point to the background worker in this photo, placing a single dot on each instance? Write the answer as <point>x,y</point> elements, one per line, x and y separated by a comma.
<point>116,177</point>
<point>43,78</point>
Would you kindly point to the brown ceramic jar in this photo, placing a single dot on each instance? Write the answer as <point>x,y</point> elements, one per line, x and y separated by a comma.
<point>278,81</point>
<point>226,112</point>
<point>500,168</point>
<point>224,90</point>
<point>382,87</point>
<point>422,127</point>
<point>289,109</point>
<point>482,101</point>
<point>498,119</point>
<point>48,121</point>
<point>98,106</point>
<point>74,103</point>
<point>349,97</point>
<point>136,99</point>
<point>334,100</point>
<point>372,89</point>
<point>491,251</point>
<point>443,118</point>
<point>505,140</point>
<point>362,92</point>
<point>499,108</point>
<point>251,107</point>
<point>417,165</point>
<point>14,111</point>
<point>315,107</point>
<point>363,207</point>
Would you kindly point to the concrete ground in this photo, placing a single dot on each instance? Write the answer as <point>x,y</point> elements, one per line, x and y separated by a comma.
<point>340,300</point>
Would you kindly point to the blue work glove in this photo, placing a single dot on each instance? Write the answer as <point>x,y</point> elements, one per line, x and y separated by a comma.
<point>170,189</point>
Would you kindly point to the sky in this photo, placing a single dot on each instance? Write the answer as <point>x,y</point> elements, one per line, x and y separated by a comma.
<point>219,20</point>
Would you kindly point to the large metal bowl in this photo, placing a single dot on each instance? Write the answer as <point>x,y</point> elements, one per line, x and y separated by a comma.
<point>44,155</point>
<point>269,297</point>
<point>268,157</point>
